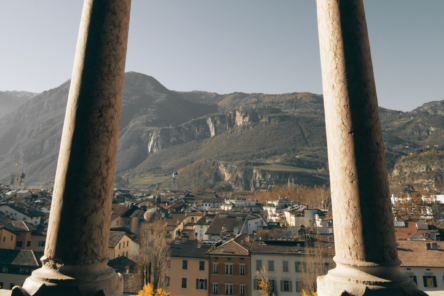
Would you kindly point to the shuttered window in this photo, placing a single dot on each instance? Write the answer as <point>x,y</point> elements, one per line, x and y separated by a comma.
<point>285,266</point>
<point>258,264</point>
<point>271,265</point>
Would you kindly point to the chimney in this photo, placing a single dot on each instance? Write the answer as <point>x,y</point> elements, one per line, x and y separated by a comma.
<point>434,246</point>
<point>222,248</point>
<point>236,230</point>
<point>208,219</point>
<point>255,237</point>
<point>186,215</point>
<point>199,244</point>
<point>166,224</point>
<point>178,222</point>
<point>35,223</point>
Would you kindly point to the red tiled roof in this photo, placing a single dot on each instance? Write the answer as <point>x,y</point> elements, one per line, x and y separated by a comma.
<point>415,254</point>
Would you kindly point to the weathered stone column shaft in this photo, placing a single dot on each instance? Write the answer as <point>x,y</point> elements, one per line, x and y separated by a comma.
<point>366,253</point>
<point>76,251</point>
<point>81,210</point>
<point>364,226</point>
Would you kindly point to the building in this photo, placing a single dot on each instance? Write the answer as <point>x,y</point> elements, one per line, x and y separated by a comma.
<point>16,266</point>
<point>284,257</point>
<point>423,262</point>
<point>225,224</point>
<point>230,272</point>
<point>128,217</point>
<point>120,244</point>
<point>29,236</point>
<point>202,226</point>
<point>22,214</point>
<point>17,180</point>
<point>188,269</point>
<point>301,215</point>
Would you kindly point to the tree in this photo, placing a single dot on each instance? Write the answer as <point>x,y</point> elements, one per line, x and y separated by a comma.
<point>317,261</point>
<point>149,291</point>
<point>263,282</point>
<point>154,254</point>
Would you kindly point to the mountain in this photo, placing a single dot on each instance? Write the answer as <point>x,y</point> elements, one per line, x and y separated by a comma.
<point>30,136</point>
<point>422,170</point>
<point>237,140</point>
<point>11,100</point>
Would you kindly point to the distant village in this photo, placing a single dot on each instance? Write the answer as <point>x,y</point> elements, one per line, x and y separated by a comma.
<point>215,243</point>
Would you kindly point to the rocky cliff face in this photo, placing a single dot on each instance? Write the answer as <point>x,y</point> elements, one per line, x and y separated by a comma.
<point>242,176</point>
<point>424,170</point>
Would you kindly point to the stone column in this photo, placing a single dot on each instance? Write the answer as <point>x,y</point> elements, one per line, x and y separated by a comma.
<point>366,252</point>
<point>76,251</point>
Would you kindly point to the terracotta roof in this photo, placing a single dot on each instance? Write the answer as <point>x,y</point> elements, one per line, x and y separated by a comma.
<point>121,263</point>
<point>189,249</point>
<point>20,257</point>
<point>115,237</point>
<point>230,248</point>
<point>229,222</point>
<point>410,230</point>
<point>203,220</point>
<point>117,211</point>
<point>29,212</point>
<point>415,254</point>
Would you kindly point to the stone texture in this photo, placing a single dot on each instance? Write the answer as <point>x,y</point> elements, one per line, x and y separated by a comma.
<point>77,243</point>
<point>366,253</point>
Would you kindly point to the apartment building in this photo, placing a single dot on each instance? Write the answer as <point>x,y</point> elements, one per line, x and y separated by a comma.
<point>230,267</point>
<point>188,269</point>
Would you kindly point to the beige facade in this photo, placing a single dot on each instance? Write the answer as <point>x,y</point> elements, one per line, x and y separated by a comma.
<point>125,247</point>
<point>7,281</point>
<point>187,277</point>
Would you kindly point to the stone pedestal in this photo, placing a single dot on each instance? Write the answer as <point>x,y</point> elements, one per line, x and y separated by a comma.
<point>366,253</point>
<point>76,251</point>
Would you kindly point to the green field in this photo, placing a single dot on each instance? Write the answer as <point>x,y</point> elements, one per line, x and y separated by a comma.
<point>285,168</point>
<point>150,179</point>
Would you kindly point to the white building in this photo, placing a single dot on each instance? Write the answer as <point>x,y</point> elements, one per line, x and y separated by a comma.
<point>301,215</point>
<point>423,262</point>
<point>21,214</point>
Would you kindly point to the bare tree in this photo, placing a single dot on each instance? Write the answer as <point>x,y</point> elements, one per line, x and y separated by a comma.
<point>318,260</point>
<point>154,254</point>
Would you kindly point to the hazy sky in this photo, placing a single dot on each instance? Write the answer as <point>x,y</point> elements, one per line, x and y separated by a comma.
<point>223,46</point>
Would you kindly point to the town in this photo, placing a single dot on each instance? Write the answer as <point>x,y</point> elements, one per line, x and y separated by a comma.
<point>201,242</point>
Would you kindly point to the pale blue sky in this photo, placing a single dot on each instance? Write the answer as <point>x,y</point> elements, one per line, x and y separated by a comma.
<point>230,45</point>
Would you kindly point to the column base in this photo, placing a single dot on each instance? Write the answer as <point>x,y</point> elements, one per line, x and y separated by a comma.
<point>79,280</point>
<point>368,280</point>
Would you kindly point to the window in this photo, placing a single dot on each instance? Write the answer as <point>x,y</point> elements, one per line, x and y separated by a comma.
<point>228,289</point>
<point>119,246</point>
<point>271,265</point>
<point>41,243</point>
<point>18,244</point>
<point>12,238</point>
<point>11,286</point>
<point>242,289</point>
<point>215,288</point>
<point>215,268</point>
<point>184,283</point>
<point>201,284</point>
<point>429,281</point>
<point>4,269</point>
<point>117,222</point>
<point>28,243</point>
<point>413,277</point>
<point>299,286</point>
<point>184,264</point>
<point>192,219</point>
<point>258,264</point>
<point>4,239</point>
<point>127,243</point>
<point>169,263</point>
<point>286,286</point>
<point>229,269</point>
<point>285,266</point>
<point>241,269</point>
<point>1,285</point>
<point>201,265</point>
<point>299,266</point>
<point>167,281</point>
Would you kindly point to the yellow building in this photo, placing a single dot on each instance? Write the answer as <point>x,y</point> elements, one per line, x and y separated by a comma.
<point>7,238</point>
<point>16,266</point>
<point>120,244</point>
<point>188,269</point>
